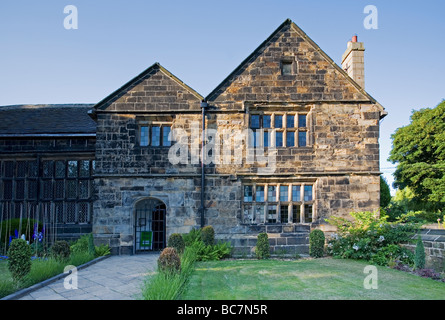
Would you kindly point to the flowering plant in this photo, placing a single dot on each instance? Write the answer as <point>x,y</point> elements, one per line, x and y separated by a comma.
<point>365,235</point>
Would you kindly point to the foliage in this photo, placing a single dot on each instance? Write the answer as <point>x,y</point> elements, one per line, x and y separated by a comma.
<point>191,237</point>
<point>393,253</point>
<point>385,193</point>
<point>419,260</point>
<point>60,250</point>
<point>217,251</point>
<point>38,248</point>
<point>102,250</point>
<point>366,234</point>
<point>176,241</point>
<point>91,247</point>
<point>19,262</point>
<point>85,244</point>
<point>14,228</point>
<point>262,249</point>
<point>169,287</point>
<point>208,235</point>
<point>41,269</point>
<point>316,243</point>
<point>169,261</point>
<point>81,244</point>
<point>206,252</point>
<point>419,152</point>
<point>405,204</point>
<point>429,273</point>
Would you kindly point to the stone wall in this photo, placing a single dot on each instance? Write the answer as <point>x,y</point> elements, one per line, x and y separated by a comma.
<point>434,243</point>
<point>340,160</point>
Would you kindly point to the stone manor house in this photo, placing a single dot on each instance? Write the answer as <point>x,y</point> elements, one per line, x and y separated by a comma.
<point>291,138</point>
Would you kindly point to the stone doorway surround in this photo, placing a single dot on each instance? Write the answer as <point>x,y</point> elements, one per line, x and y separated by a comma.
<point>149,225</point>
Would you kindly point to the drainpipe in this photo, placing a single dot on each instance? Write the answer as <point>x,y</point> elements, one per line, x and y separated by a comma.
<point>204,105</point>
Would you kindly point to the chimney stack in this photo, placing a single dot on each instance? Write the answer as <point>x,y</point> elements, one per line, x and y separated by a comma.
<point>353,61</point>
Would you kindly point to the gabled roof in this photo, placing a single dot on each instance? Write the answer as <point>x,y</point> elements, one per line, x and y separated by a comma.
<point>46,120</point>
<point>137,80</point>
<point>282,28</point>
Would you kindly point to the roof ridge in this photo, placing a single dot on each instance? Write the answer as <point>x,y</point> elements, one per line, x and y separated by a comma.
<point>295,27</point>
<point>282,25</point>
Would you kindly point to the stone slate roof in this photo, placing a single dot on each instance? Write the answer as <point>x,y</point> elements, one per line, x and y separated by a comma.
<point>51,119</point>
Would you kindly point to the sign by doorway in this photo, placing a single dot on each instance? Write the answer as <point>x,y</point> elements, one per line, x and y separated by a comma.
<point>150,225</point>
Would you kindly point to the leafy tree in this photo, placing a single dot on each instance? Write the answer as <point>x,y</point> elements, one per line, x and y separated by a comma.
<point>419,152</point>
<point>385,193</point>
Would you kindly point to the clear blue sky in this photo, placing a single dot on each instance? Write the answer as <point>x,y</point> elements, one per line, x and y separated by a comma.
<point>201,42</point>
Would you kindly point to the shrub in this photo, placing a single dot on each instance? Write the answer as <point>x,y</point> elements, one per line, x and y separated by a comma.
<point>262,249</point>
<point>19,262</point>
<point>393,254</point>
<point>169,261</point>
<point>176,241</point>
<point>162,286</point>
<point>38,248</point>
<point>60,250</point>
<point>211,252</point>
<point>364,236</point>
<point>316,243</point>
<point>419,260</point>
<point>208,235</point>
<point>193,236</point>
<point>429,273</point>
<point>80,245</point>
<point>102,250</point>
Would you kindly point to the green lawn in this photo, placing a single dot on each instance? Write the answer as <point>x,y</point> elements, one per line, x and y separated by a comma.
<point>306,279</point>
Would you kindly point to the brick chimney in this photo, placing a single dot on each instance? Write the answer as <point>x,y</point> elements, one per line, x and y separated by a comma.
<point>353,61</point>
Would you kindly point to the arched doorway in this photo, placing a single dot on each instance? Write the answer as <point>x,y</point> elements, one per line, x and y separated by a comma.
<point>149,225</point>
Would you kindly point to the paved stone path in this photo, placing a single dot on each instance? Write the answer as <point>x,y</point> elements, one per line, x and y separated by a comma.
<point>114,278</point>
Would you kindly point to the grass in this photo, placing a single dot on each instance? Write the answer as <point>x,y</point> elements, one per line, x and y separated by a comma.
<point>163,286</point>
<point>307,279</point>
<point>41,269</point>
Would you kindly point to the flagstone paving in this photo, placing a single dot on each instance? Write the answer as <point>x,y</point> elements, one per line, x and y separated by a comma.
<point>114,278</point>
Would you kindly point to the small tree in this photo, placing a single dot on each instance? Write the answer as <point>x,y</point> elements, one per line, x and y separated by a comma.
<point>169,261</point>
<point>316,243</point>
<point>177,241</point>
<point>262,249</point>
<point>61,250</point>
<point>385,193</point>
<point>208,235</point>
<point>419,259</point>
<point>19,262</point>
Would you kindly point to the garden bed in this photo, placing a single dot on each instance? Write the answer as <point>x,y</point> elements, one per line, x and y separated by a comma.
<point>21,292</point>
<point>48,264</point>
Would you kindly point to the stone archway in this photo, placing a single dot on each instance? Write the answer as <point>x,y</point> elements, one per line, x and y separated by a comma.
<point>150,225</point>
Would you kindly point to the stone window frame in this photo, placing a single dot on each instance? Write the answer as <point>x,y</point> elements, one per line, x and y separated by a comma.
<point>250,209</point>
<point>150,125</point>
<point>284,129</point>
<point>288,66</point>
